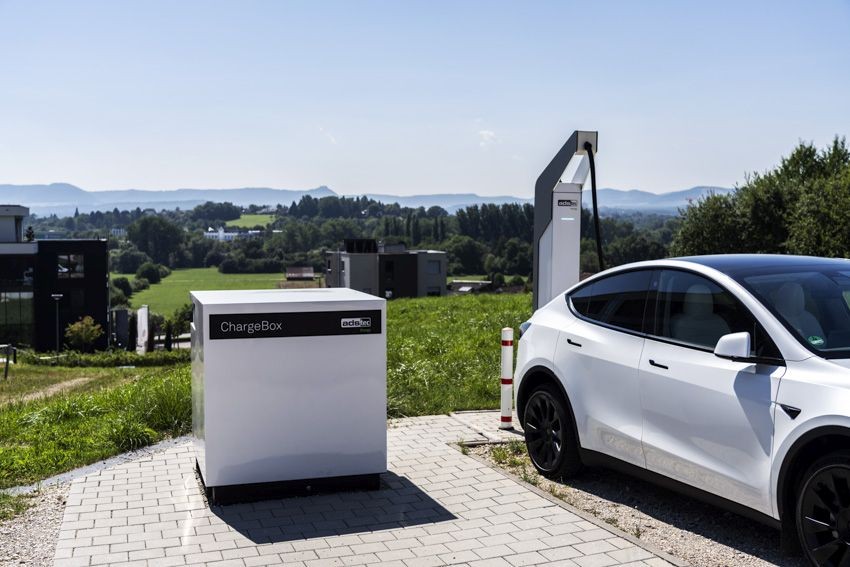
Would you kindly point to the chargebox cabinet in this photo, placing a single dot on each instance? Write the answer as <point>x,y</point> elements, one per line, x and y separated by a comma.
<point>288,391</point>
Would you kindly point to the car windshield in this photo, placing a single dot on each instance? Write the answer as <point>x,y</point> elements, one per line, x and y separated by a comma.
<point>812,302</point>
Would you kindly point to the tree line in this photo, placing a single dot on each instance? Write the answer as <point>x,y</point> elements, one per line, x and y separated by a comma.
<point>798,207</point>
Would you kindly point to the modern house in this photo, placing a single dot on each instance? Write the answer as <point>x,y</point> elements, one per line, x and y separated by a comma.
<point>223,235</point>
<point>388,272</point>
<point>37,277</point>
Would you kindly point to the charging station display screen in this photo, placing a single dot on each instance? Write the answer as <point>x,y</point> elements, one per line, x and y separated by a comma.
<point>310,324</point>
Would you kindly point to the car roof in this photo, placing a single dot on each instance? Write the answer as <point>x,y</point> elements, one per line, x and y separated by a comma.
<point>727,263</point>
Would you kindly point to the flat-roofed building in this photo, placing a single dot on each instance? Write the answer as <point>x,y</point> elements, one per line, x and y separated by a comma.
<point>370,267</point>
<point>33,272</point>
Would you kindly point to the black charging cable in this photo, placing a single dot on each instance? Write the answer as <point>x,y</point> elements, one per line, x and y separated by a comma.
<point>588,147</point>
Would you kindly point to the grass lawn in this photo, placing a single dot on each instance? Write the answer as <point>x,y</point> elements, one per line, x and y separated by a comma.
<point>166,296</point>
<point>27,381</point>
<point>250,221</point>
<point>44,437</point>
<point>443,352</point>
<point>442,355</point>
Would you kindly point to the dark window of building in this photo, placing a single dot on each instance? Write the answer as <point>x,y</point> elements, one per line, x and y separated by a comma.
<point>70,266</point>
<point>433,290</point>
<point>433,267</point>
<point>16,316</point>
<point>389,268</point>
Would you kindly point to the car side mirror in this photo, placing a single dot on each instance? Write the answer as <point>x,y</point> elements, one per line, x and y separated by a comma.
<point>733,346</point>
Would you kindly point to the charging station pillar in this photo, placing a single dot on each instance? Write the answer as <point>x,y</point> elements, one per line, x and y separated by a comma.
<point>557,218</point>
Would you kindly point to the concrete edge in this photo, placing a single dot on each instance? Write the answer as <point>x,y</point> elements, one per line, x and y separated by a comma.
<point>555,500</point>
<point>487,435</point>
<point>70,476</point>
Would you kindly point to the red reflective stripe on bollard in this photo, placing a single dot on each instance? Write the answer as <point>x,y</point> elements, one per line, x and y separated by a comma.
<point>506,419</point>
<point>507,343</point>
<point>507,381</point>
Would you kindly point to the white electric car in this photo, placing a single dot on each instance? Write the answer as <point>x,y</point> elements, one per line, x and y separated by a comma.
<point>726,377</point>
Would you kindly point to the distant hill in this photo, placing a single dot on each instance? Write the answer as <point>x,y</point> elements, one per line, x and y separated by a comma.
<point>635,199</point>
<point>62,198</point>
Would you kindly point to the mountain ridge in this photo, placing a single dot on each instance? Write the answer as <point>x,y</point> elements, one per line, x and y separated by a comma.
<point>64,198</point>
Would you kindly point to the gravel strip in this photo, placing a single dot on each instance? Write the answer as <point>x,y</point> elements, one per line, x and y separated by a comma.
<point>30,538</point>
<point>698,533</point>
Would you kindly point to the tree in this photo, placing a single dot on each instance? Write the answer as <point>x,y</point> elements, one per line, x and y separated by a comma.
<point>465,255</point>
<point>212,212</point>
<point>712,226</point>
<point>83,334</point>
<point>29,235</point>
<point>799,207</point>
<point>127,259</point>
<point>156,236</point>
<point>149,271</point>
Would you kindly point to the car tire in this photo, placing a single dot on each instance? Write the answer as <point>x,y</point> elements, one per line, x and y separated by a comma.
<point>823,510</point>
<point>550,435</point>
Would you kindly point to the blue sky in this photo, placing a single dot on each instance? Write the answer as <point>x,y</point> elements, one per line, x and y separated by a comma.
<point>413,97</point>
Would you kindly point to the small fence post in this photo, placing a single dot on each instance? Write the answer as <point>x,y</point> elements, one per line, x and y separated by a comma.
<point>507,378</point>
<point>6,365</point>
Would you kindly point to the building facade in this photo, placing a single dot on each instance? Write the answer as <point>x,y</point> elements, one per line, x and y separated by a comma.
<point>389,273</point>
<point>39,276</point>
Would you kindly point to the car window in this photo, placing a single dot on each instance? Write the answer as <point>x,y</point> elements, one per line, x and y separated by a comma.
<point>617,300</point>
<point>694,310</point>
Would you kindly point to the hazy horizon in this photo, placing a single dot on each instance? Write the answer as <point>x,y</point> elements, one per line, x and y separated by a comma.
<point>338,192</point>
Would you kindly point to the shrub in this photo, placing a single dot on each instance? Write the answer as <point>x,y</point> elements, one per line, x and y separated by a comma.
<point>517,281</point>
<point>127,260</point>
<point>108,359</point>
<point>150,272</point>
<point>83,334</point>
<point>117,297</point>
<point>124,285</point>
<point>164,272</point>
<point>128,434</point>
<point>498,280</point>
<point>139,284</point>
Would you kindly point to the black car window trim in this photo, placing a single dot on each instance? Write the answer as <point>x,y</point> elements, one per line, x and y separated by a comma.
<point>574,311</point>
<point>652,299</point>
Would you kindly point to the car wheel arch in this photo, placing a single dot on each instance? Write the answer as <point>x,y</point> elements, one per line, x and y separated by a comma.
<point>810,446</point>
<point>534,377</point>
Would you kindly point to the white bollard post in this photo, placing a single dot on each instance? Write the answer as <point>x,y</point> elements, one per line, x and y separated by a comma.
<point>506,420</point>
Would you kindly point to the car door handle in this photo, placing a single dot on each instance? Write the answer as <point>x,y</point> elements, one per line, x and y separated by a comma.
<point>657,365</point>
<point>572,342</point>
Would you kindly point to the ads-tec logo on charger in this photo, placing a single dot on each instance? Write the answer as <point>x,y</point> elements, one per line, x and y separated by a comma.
<point>356,323</point>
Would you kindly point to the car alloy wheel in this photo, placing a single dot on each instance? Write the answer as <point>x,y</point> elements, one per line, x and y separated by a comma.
<point>824,516</point>
<point>544,430</point>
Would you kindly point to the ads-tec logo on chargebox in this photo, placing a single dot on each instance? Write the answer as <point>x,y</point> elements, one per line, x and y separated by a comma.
<point>356,323</point>
<point>276,325</point>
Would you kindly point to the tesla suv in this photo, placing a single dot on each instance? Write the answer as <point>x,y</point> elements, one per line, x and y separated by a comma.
<point>726,377</point>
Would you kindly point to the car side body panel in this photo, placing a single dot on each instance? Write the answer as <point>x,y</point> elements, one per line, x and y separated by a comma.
<point>820,389</point>
<point>603,390</point>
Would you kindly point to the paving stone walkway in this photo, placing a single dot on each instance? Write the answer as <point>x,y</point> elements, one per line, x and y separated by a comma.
<point>436,507</point>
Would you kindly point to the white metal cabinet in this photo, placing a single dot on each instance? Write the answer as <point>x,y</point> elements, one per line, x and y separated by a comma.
<point>288,385</point>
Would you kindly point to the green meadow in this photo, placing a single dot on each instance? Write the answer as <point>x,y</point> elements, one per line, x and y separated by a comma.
<point>250,221</point>
<point>173,292</point>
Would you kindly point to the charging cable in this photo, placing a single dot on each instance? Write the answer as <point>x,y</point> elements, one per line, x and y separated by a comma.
<point>588,147</point>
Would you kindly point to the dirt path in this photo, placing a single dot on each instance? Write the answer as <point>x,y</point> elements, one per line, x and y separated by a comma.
<point>52,390</point>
